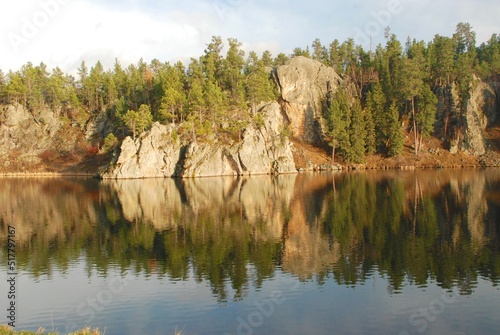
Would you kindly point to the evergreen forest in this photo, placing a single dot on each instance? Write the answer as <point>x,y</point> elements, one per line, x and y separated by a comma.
<point>392,91</point>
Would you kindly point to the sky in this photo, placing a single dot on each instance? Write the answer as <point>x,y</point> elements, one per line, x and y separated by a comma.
<point>64,32</point>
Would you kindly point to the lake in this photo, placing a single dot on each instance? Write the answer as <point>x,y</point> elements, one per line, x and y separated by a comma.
<point>369,252</point>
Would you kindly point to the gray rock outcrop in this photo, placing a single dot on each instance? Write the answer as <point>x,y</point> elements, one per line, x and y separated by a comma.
<point>481,112</point>
<point>304,83</point>
<point>23,136</point>
<point>155,154</point>
<point>152,154</point>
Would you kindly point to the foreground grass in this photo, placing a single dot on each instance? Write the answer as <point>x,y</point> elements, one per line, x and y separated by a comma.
<point>4,330</point>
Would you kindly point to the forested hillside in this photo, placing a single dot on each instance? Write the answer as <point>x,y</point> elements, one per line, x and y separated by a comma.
<point>397,90</point>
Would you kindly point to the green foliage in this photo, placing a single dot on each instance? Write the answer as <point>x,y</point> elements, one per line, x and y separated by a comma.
<point>285,131</point>
<point>138,121</point>
<point>258,120</point>
<point>395,137</point>
<point>259,87</point>
<point>387,223</point>
<point>370,128</point>
<point>338,119</point>
<point>234,77</point>
<point>489,57</point>
<point>320,52</point>
<point>174,99</point>
<point>357,135</point>
<point>426,104</point>
<point>220,89</point>
<point>175,136</point>
<point>110,143</point>
<point>280,59</point>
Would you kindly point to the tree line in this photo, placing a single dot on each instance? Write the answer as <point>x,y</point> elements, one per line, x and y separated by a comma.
<point>396,89</point>
<point>392,91</point>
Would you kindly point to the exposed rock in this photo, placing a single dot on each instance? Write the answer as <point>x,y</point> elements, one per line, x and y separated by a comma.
<point>21,131</point>
<point>481,112</point>
<point>97,127</point>
<point>330,167</point>
<point>304,83</point>
<point>154,154</point>
<point>265,150</point>
<point>206,160</point>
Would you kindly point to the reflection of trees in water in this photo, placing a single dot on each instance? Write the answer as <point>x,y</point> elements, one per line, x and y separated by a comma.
<point>412,226</point>
<point>419,228</point>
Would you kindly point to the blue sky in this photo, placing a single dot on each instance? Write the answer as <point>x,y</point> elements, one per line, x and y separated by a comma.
<point>64,32</point>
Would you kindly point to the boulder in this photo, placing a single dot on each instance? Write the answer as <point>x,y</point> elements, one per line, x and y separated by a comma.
<point>152,154</point>
<point>304,84</point>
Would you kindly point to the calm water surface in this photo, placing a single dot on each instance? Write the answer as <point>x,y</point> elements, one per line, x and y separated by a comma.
<point>354,253</point>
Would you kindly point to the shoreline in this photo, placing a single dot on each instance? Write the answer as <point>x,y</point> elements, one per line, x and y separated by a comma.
<point>335,168</point>
<point>44,174</point>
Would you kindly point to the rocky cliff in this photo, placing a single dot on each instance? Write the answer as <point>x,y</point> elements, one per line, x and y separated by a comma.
<point>480,112</point>
<point>27,138</point>
<point>304,84</point>
<point>155,153</point>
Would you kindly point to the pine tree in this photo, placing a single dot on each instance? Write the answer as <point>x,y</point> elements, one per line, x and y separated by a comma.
<point>338,120</point>
<point>370,133</point>
<point>389,67</point>
<point>280,59</point>
<point>356,150</point>
<point>267,58</point>
<point>55,94</point>
<point>35,79</point>
<point>215,99</point>
<point>334,59</point>
<point>441,59</point>
<point>375,105</point>
<point>395,140</point>
<point>95,85</point>
<point>233,72</point>
<point>489,58</point>
<point>413,76</point>
<point>426,117</point>
<point>173,101</point>
<point>258,84</point>
<point>3,87</point>
<point>16,90</point>
<point>195,82</point>
<point>319,51</point>
<point>138,121</point>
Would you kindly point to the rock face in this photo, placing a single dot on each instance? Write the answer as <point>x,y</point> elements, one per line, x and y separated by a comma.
<point>25,134</point>
<point>155,154</point>
<point>481,112</point>
<point>264,150</point>
<point>304,84</point>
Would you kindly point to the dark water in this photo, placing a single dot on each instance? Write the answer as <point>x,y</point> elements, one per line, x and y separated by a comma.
<point>358,253</point>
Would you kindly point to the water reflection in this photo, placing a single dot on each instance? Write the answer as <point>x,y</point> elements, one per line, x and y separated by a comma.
<point>415,227</point>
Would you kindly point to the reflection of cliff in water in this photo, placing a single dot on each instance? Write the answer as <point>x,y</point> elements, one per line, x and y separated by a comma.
<point>410,226</point>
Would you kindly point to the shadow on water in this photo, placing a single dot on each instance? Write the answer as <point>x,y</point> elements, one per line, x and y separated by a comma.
<point>412,227</point>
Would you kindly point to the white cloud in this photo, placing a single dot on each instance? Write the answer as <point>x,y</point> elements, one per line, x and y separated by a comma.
<point>128,30</point>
